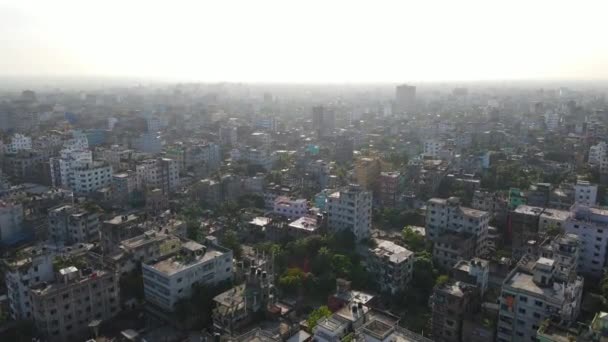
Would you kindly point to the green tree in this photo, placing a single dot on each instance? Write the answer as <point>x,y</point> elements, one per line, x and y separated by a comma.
<point>292,280</point>
<point>424,274</point>
<point>230,240</point>
<point>413,240</point>
<point>553,230</point>
<point>317,315</point>
<point>442,279</point>
<point>341,265</point>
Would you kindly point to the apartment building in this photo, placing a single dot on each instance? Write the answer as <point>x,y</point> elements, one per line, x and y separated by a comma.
<point>117,229</point>
<point>143,248</point>
<point>162,173</point>
<point>64,310</point>
<point>172,277</point>
<point>448,216</point>
<point>591,226</point>
<point>523,227</point>
<point>532,294</point>
<point>89,177</point>
<point>32,267</point>
<point>392,264</point>
<point>123,185</point>
<point>452,247</point>
<point>597,153</point>
<point>351,209</point>
<point>290,208</point>
<point>565,250</point>
<point>432,148</point>
<point>585,193</point>
<point>11,222</point>
<point>367,173</point>
<point>19,142</point>
<point>390,188</point>
<point>475,271</point>
<point>69,224</point>
<point>451,303</point>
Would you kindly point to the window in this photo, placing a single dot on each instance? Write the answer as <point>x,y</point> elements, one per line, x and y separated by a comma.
<point>538,303</point>
<point>522,311</point>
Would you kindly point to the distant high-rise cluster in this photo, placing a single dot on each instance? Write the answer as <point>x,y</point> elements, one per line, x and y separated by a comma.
<point>224,212</point>
<point>405,98</point>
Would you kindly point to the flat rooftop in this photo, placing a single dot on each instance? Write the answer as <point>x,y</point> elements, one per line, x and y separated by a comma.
<point>524,281</point>
<point>59,285</point>
<point>121,219</point>
<point>555,214</point>
<point>393,251</point>
<point>260,221</point>
<point>177,262</point>
<point>466,265</point>
<point>333,323</point>
<point>456,288</point>
<point>305,223</point>
<point>528,210</point>
<point>230,297</point>
<point>473,212</point>
<point>148,237</point>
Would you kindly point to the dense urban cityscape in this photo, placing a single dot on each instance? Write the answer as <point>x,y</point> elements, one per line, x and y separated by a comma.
<point>243,212</point>
<point>303,171</point>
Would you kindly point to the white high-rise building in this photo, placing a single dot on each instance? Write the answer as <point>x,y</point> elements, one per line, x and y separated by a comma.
<point>552,121</point>
<point>19,142</point>
<point>597,152</point>
<point>532,294</point>
<point>89,177</point>
<point>585,193</point>
<point>79,142</point>
<point>33,268</point>
<point>591,226</point>
<point>432,148</point>
<point>63,166</point>
<point>351,209</point>
<point>170,278</point>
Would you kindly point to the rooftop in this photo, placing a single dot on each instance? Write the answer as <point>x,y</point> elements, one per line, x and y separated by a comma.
<point>333,323</point>
<point>528,210</point>
<point>231,297</point>
<point>44,289</point>
<point>175,263</point>
<point>456,288</point>
<point>555,214</point>
<point>305,223</point>
<point>148,237</point>
<point>121,219</point>
<point>260,221</point>
<point>388,249</point>
<point>473,212</point>
<point>466,265</point>
<point>523,280</point>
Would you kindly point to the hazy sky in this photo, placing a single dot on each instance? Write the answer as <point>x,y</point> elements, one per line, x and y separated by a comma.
<point>307,40</point>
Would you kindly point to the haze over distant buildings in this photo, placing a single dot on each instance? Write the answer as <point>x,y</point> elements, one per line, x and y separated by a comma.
<point>311,41</point>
